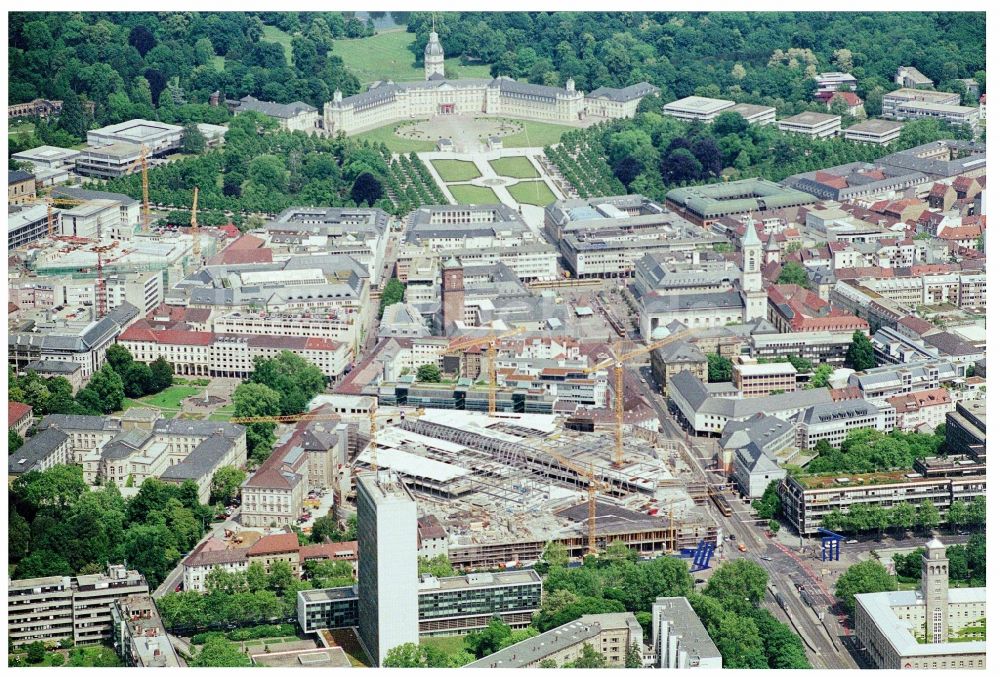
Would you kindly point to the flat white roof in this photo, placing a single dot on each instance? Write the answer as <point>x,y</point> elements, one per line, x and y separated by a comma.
<point>768,368</point>
<point>412,465</point>
<point>47,153</point>
<point>879,606</point>
<point>699,104</point>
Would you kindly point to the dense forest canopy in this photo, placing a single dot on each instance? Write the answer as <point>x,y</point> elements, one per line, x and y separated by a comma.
<point>117,59</point>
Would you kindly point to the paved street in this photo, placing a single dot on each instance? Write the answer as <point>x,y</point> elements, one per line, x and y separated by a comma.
<point>808,613</point>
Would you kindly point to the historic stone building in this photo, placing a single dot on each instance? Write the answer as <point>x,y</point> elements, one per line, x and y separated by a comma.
<point>386,101</point>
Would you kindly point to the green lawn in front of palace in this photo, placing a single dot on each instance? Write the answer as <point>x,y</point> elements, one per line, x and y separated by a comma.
<point>467,194</point>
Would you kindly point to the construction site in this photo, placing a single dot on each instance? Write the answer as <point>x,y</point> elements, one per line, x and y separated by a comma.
<point>503,486</point>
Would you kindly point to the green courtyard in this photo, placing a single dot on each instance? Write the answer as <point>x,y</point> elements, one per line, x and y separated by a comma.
<point>532,193</point>
<point>456,170</point>
<point>517,167</point>
<point>467,194</point>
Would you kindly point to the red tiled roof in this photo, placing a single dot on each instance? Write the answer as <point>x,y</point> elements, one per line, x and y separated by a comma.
<point>238,256</point>
<point>230,230</point>
<point>275,543</point>
<point>345,550</point>
<point>141,331</point>
<point>246,242</point>
<point>16,411</point>
<point>12,307</point>
<point>850,98</point>
<point>938,190</point>
<point>918,400</point>
<point>960,232</point>
<point>831,180</point>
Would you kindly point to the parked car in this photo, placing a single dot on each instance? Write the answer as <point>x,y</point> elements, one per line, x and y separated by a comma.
<point>852,541</point>
<point>766,558</point>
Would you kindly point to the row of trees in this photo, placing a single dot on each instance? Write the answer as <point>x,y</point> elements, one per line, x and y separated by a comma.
<point>57,526</point>
<point>863,517</point>
<point>279,386</point>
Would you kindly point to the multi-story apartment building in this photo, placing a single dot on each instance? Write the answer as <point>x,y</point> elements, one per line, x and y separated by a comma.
<point>28,224</point>
<point>144,290</point>
<point>832,421</point>
<point>954,115</point>
<point>274,548</point>
<point>898,379</point>
<point>819,347</point>
<point>203,353</point>
<point>760,380</point>
<point>699,108</point>
<point>878,132</point>
<point>813,125</point>
<point>965,429</point>
<point>387,563</point>
<point>806,500</point>
<point>297,116</point>
<point>611,635</point>
<point>835,81</point>
<point>139,636</point>
<point>157,137</point>
<point>680,640</point>
<point>754,114</point>
<point>924,409</point>
<point>84,343</point>
<point>40,452</point>
<point>892,101</point>
<point>911,78</point>
<point>708,415</point>
<point>54,608</point>
<point>447,606</point>
<point>209,555</point>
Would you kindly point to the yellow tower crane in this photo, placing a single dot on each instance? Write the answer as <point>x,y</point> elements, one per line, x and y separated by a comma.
<point>618,358</point>
<point>50,205</point>
<point>593,485</point>
<point>142,165</point>
<point>490,341</point>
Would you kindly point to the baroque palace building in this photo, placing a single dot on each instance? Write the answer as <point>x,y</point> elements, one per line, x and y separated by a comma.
<point>386,101</point>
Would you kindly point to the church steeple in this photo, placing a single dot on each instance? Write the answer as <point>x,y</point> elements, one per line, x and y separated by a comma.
<point>433,54</point>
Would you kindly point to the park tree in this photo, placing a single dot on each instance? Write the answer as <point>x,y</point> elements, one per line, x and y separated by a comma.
<point>406,655</point>
<point>720,368</point>
<point>161,374</point>
<point>768,506</point>
<point>860,354</point>
<point>555,554</point>
<point>119,357</point>
<point>928,516</point>
<point>633,657</point>
<point>488,640</point>
<point>821,377</point>
<point>367,189</point>
<point>865,577</point>
<point>256,399</point>
<point>393,293</point>
<point>192,140</point>
<point>958,514</point>
<point>680,166</point>
<point>226,483</point>
<point>107,389</point>
<point>429,373</point>
<point>793,273</point>
<point>589,658</point>
<point>14,441</point>
<point>738,584</point>
<point>438,566</point>
<point>219,652</point>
